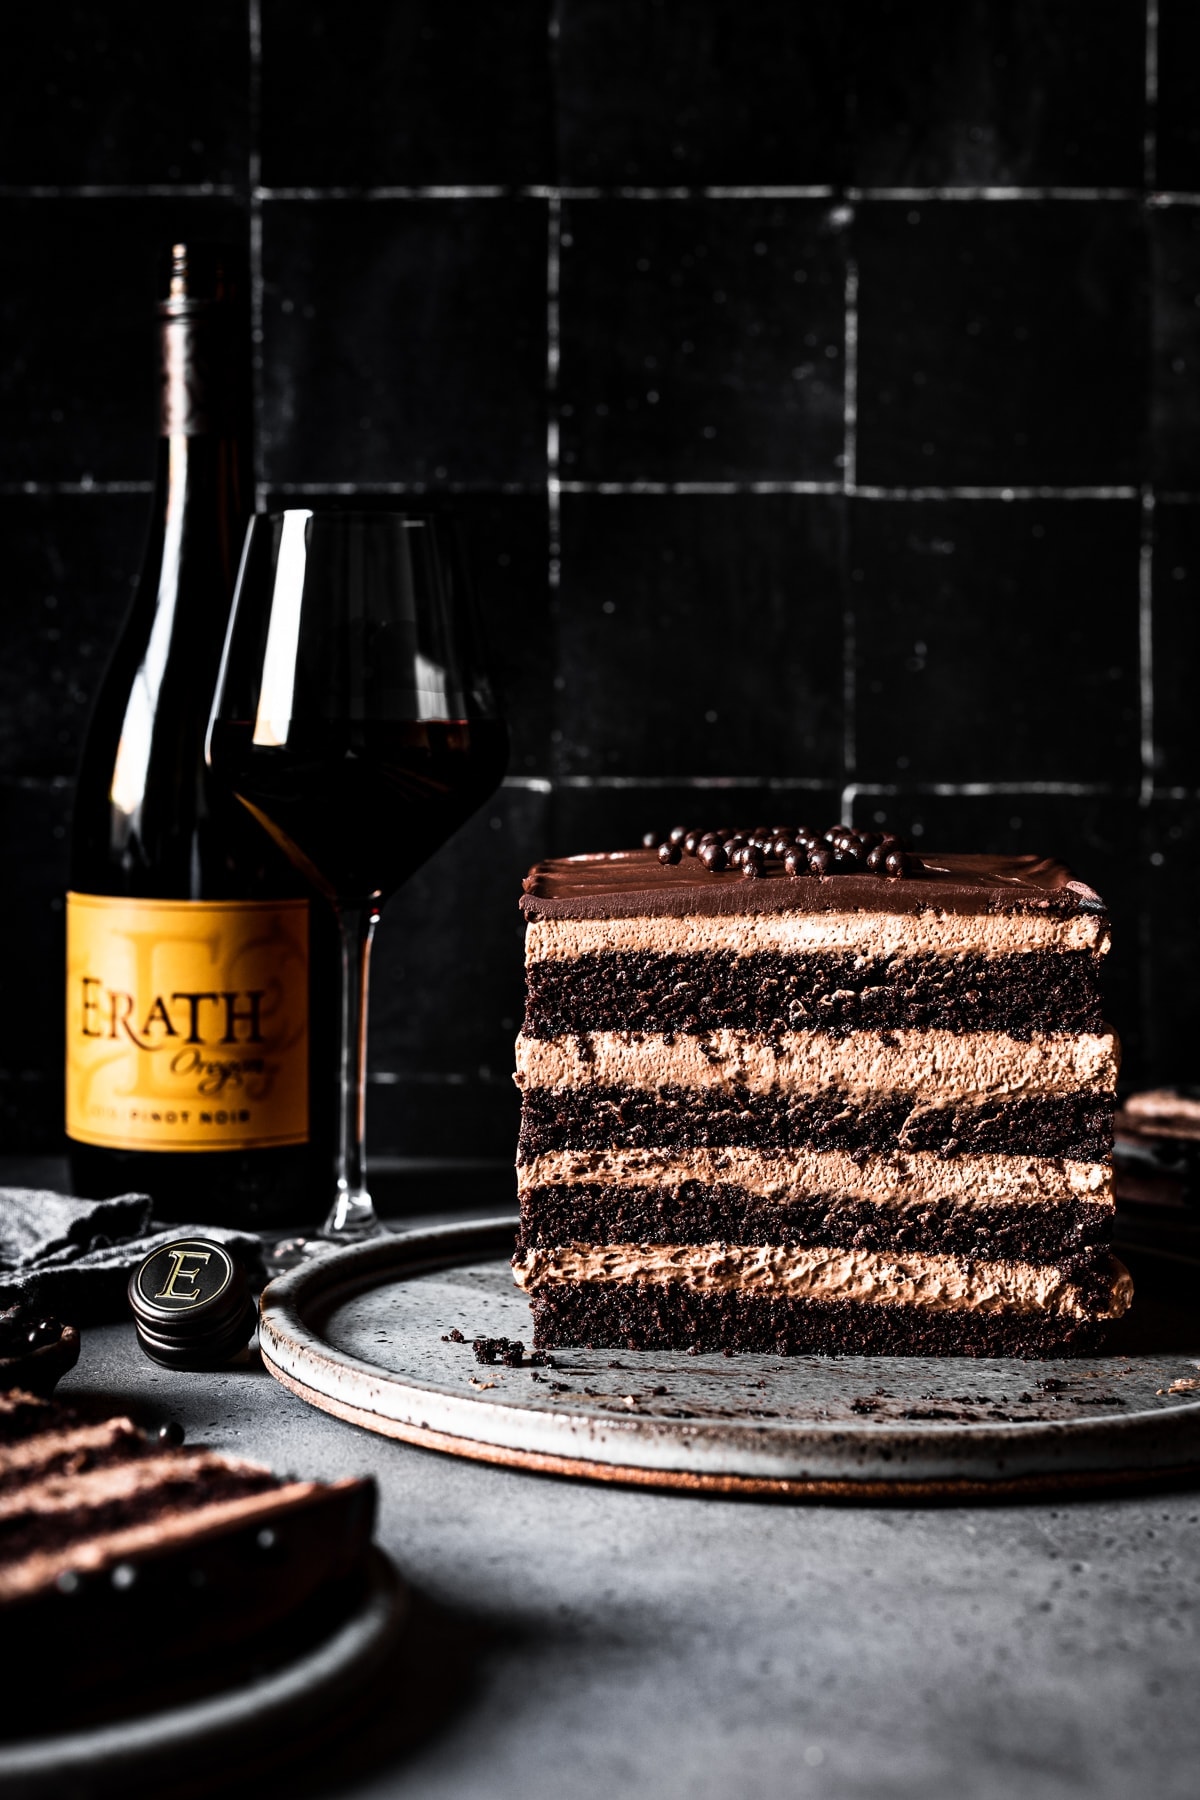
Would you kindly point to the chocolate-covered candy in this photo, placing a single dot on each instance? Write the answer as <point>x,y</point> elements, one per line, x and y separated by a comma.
<point>839,849</point>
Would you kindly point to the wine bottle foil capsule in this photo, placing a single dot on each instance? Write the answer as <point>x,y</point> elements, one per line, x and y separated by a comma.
<point>191,1304</point>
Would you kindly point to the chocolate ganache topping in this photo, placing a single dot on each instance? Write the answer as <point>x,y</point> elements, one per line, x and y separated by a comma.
<point>637,883</point>
<point>841,849</point>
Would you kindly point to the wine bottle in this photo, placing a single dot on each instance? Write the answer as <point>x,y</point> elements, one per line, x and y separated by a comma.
<point>193,1026</point>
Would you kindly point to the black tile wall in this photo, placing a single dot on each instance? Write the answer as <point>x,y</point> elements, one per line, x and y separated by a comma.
<point>429,92</point>
<point>996,642</point>
<point>1001,344</point>
<point>612,818</point>
<point>105,94</point>
<point>34,822</point>
<point>1175,348</point>
<point>816,385</point>
<point>405,340</point>
<point>672,610</point>
<point>712,92</point>
<point>1176,644</point>
<point>71,561</point>
<point>1170,855</point>
<point>1177,135</point>
<point>999,92</point>
<point>702,340</point>
<point>77,281</point>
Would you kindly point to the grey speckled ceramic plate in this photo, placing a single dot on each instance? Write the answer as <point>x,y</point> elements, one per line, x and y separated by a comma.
<point>363,1333</point>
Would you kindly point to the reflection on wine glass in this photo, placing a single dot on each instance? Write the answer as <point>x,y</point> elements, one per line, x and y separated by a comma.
<point>354,719</point>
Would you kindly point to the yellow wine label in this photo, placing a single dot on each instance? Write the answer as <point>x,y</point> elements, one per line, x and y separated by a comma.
<point>187,1023</point>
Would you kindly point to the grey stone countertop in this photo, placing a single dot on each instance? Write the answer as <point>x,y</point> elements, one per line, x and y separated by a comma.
<point>574,1640</point>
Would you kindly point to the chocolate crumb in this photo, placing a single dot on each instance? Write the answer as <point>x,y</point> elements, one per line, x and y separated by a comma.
<point>509,1351</point>
<point>453,1337</point>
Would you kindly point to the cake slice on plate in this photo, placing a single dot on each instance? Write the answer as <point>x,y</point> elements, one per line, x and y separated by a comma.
<point>792,1092</point>
<point>126,1563</point>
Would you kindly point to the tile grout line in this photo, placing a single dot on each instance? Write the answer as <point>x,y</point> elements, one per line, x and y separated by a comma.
<point>1150,137</point>
<point>940,790</point>
<point>72,489</point>
<point>553,352</point>
<point>566,191</point>
<point>553,200</point>
<point>827,489</point>
<point>265,193</point>
<point>849,481</point>
<point>1146,646</point>
<point>254,170</point>
<point>1147,545</point>
<point>146,190</point>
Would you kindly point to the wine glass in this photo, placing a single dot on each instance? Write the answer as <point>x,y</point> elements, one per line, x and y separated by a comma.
<point>354,719</point>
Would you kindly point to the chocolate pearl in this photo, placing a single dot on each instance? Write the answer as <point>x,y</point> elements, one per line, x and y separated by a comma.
<point>171,1433</point>
<point>895,863</point>
<point>713,857</point>
<point>783,843</point>
<point>677,834</point>
<point>820,860</point>
<point>752,861</point>
<point>796,861</point>
<point>875,860</point>
<point>691,842</point>
<point>738,855</point>
<point>669,853</point>
<point>734,842</point>
<point>650,840</point>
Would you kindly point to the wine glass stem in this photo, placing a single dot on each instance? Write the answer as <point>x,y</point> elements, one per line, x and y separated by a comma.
<point>353,1214</point>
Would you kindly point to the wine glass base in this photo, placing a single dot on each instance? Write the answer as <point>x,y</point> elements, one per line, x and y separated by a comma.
<point>352,1218</point>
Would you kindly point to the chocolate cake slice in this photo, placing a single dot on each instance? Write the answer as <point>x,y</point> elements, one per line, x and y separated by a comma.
<point>122,1558</point>
<point>814,1094</point>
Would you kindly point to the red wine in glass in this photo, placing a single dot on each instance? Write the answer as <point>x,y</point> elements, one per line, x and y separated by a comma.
<point>354,719</point>
<point>359,808</point>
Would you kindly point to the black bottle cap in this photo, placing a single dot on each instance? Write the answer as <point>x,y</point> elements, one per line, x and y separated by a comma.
<point>191,1305</point>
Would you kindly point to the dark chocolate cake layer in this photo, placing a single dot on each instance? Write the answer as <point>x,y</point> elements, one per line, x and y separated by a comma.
<point>648,1316</point>
<point>593,1118</point>
<point>825,991</point>
<point>699,1213</point>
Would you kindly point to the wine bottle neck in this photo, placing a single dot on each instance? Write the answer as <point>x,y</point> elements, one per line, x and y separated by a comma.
<point>199,394</point>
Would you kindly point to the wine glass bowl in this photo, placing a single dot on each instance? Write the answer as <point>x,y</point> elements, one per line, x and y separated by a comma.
<point>353,717</point>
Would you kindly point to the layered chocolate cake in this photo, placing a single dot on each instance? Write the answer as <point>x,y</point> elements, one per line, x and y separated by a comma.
<point>792,1092</point>
<point>123,1558</point>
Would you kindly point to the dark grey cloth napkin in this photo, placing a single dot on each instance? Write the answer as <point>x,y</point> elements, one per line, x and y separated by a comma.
<point>72,1258</point>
